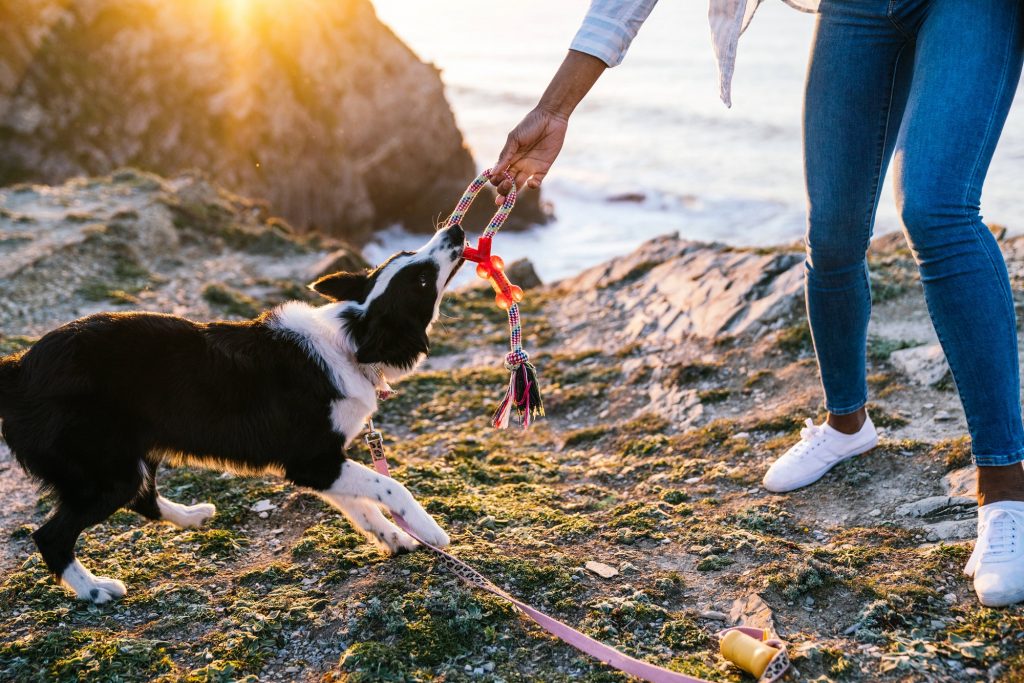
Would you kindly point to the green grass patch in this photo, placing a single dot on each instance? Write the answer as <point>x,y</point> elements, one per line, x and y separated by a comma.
<point>230,301</point>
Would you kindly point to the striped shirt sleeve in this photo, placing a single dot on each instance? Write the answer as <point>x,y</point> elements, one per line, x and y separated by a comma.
<point>610,27</point>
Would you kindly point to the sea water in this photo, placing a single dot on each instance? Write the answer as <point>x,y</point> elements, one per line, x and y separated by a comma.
<point>652,150</point>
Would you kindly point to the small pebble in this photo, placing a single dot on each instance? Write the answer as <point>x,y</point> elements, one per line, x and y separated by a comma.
<point>714,615</point>
<point>950,598</point>
<point>875,513</point>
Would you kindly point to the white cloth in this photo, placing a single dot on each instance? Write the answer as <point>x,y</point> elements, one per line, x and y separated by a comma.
<point>611,25</point>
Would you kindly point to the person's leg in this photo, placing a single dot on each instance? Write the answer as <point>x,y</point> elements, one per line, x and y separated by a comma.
<point>967,66</point>
<point>857,82</point>
<point>856,89</point>
<point>969,59</point>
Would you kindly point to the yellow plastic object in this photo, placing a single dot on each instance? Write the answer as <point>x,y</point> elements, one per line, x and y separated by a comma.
<point>750,654</point>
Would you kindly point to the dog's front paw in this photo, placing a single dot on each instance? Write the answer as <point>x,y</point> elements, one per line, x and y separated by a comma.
<point>101,590</point>
<point>424,526</point>
<point>396,541</point>
<point>88,586</point>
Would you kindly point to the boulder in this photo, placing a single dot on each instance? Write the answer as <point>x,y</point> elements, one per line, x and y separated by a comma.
<point>888,244</point>
<point>314,105</point>
<point>522,273</point>
<point>925,365</point>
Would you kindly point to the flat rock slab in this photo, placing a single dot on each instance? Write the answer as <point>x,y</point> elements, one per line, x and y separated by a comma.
<point>952,530</point>
<point>601,569</point>
<point>754,612</point>
<point>935,505</point>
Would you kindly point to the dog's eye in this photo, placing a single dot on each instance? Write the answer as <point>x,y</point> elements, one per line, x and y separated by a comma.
<point>424,280</point>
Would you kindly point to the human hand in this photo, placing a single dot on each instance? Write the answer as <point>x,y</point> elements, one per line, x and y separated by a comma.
<point>529,151</point>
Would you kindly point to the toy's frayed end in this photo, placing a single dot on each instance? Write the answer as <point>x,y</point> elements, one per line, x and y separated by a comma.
<point>523,397</point>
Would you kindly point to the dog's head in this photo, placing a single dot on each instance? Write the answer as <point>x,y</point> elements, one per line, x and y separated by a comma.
<point>390,308</point>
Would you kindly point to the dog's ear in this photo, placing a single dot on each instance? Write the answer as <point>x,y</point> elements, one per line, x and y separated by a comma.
<point>343,286</point>
<point>390,344</point>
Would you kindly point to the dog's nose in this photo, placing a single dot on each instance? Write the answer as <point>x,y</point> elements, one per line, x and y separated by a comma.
<point>456,234</point>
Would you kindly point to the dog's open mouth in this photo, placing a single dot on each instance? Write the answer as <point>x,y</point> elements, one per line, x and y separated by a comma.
<point>455,270</point>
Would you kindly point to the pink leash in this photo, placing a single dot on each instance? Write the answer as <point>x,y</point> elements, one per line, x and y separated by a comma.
<point>565,633</point>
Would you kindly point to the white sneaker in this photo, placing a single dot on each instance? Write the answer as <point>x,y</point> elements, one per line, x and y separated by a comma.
<point>997,563</point>
<point>821,447</point>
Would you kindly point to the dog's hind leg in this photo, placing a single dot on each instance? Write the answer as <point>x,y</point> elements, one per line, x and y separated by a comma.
<point>359,481</point>
<point>56,539</point>
<point>151,505</point>
<point>368,519</point>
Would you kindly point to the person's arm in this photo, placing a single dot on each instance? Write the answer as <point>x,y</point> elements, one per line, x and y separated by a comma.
<point>533,145</point>
<point>601,42</point>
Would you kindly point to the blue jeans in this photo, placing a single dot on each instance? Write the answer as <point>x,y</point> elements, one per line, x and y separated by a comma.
<point>929,84</point>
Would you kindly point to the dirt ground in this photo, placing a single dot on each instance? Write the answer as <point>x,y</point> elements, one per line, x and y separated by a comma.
<point>862,590</point>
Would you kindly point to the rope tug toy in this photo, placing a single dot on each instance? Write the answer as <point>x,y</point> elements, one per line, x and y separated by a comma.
<point>523,393</point>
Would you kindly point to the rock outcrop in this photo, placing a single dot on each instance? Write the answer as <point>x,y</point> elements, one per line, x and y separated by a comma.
<point>134,240</point>
<point>670,289</point>
<point>313,105</point>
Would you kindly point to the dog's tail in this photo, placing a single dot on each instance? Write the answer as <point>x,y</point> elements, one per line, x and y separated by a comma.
<point>10,369</point>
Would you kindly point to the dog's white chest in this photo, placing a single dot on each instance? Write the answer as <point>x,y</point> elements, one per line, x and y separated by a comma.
<point>349,416</point>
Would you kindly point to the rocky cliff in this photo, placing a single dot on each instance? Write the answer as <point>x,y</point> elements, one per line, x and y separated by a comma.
<point>313,105</point>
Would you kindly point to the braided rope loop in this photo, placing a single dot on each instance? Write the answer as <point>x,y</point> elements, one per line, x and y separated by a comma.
<point>523,394</point>
<point>466,200</point>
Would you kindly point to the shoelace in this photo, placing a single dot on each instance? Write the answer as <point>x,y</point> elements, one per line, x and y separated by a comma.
<point>998,538</point>
<point>808,435</point>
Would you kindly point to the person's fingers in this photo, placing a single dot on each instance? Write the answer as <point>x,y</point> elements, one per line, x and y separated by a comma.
<point>521,178</point>
<point>536,179</point>
<point>508,152</point>
<point>504,187</point>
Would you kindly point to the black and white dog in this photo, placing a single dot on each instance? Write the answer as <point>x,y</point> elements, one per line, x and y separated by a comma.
<point>94,406</point>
